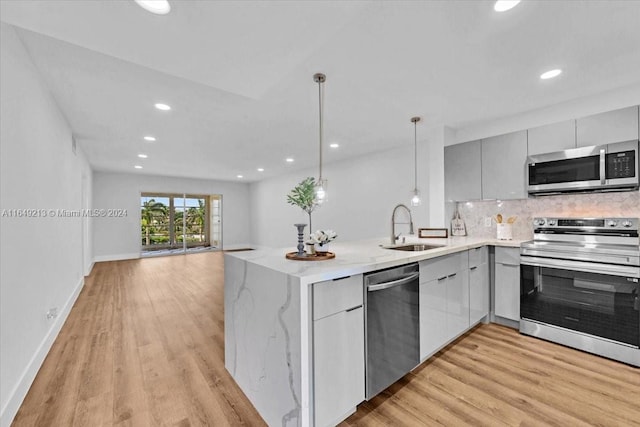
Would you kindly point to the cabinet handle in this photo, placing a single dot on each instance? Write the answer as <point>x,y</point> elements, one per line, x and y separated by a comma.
<point>473,268</point>
<point>452,275</point>
<point>340,278</point>
<point>441,278</point>
<point>353,308</point>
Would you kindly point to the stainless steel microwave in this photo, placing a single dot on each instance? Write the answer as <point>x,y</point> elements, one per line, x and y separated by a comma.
<point>611,167</point>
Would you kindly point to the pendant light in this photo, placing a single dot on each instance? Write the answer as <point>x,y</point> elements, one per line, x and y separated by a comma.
<point>415,200</point>
<point>321,185</point>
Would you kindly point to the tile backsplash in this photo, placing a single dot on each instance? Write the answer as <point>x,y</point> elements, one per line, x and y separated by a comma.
<point>622,204</point>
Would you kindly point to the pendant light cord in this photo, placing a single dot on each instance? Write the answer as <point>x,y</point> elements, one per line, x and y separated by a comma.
<point>415,155</point>
<point>320,93</point>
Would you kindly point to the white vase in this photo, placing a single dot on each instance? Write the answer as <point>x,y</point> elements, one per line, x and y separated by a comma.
<point>323,248</point>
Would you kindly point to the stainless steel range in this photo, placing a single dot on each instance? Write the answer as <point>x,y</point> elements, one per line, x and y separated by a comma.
<point>579,285</point>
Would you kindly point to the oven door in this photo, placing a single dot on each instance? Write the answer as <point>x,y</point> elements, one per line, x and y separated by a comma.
<point>580,296</point>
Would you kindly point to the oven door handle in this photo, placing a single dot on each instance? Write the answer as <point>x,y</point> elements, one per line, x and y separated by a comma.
<point>587,267</point>
<point>603,167</point>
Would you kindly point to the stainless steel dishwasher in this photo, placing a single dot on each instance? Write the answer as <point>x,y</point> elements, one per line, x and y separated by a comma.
<point>392,326</point>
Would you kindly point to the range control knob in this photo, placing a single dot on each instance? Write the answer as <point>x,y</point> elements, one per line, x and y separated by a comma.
<point>552,222</point>
<point>626,223</point>
<point>539,222</point>
<point>612,223</point>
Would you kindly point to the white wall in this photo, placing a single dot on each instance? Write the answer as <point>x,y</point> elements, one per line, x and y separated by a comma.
<point>42,259</point>
<point>119,238</point>
<point>362,194</point>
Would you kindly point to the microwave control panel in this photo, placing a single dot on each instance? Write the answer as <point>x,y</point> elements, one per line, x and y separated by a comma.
<point>621,165</point>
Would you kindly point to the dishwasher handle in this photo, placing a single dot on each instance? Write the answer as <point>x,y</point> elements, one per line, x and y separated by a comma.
<point>393,283</point>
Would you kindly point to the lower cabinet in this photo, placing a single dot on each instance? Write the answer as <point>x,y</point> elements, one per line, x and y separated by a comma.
<point>338,349</point>
<point>444,301</point>
<point>507,283</point>
<point>478,284</point>
<point>433,316</point>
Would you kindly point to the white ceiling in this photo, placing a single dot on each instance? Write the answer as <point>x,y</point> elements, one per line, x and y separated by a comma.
<point>238,74</point>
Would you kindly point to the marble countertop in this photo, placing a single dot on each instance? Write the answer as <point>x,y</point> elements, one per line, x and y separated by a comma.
<point>361,256</point>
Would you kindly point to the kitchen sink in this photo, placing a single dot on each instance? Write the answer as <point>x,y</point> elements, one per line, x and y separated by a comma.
<point>416,247</point>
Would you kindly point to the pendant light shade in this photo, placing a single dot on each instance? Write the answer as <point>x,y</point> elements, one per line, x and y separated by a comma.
<point>415,200</point>
<point>321,184</point>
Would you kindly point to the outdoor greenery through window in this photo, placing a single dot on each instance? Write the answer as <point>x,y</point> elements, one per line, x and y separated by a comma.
<point>173,221</point>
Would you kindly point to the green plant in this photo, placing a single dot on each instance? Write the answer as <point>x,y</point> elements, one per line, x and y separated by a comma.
<point>303,196</point>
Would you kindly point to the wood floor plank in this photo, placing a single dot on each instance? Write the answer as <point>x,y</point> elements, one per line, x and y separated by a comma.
<point>144,346</point>
<point>609,393</point>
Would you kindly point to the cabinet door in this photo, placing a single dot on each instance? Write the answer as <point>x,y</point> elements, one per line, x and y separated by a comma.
<point>605,128</point>
<point>507,291</point>
<point>457,303</point>
<point>503,161</point>
<point>478,292</point>
<point>338,365</point>
<point>462,172</point>
<point>433,316</point>
<point>554,137</point>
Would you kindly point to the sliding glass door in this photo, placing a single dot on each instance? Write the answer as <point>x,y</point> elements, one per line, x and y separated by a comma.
<point>179,221</point>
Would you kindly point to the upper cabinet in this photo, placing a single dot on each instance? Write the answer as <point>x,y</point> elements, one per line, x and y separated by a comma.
<point>462,171</point>
<point>494,168</point>
<point>554,137</point>
<point>612,126</point>
<point>503,160</point>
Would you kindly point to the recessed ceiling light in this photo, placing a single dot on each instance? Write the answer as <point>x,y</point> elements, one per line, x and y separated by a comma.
<point>551,74</point>
<point>149,138</point>
<point>334,145</point>
<point>138,167</point>
<point>159,7</point>
<point>260,169</point>
<point>142,156</point>
<point>289,159</point>
<point>163,107</point>
<point>240,176</point>
<point>504,5</point>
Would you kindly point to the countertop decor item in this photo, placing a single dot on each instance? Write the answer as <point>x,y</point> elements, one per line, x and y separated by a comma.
<point>300,246</point>
<point>433,233</point>
<point>457,224</point>
<point>318,256</point>
<point>322,238</point>
<point>303,196</point>
<point>504,229</point>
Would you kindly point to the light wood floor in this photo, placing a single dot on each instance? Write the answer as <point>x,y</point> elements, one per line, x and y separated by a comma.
<point>143,346</point>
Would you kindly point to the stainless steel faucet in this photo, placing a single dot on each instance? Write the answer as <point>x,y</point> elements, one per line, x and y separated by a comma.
<point>393,223</point>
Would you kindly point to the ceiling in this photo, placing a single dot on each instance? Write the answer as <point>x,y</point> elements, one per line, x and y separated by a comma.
<point>238,74</point>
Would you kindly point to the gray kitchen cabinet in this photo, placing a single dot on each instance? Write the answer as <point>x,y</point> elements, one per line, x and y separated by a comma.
<point>433,316</point>
<point>605,128</point>
<point>554,137</point>
<point>338,349</point>
<point>444,301</point>
<point>457,303</point>
<point>507,283</point>
<point>462,171</point>
<point>503,161</point>
<point>478,284</point>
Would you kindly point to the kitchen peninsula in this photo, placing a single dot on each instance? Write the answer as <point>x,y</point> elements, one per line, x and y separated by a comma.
<point>282,327</point>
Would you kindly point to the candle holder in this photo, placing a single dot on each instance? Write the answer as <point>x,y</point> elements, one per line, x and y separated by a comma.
<point>300,246</point>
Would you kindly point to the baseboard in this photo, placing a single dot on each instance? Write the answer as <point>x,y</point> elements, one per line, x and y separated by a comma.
<point>17,395</point>
<point>238,246</point>
<point>89,269</point>
<point>116,257</point>
<point>506,322</point>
